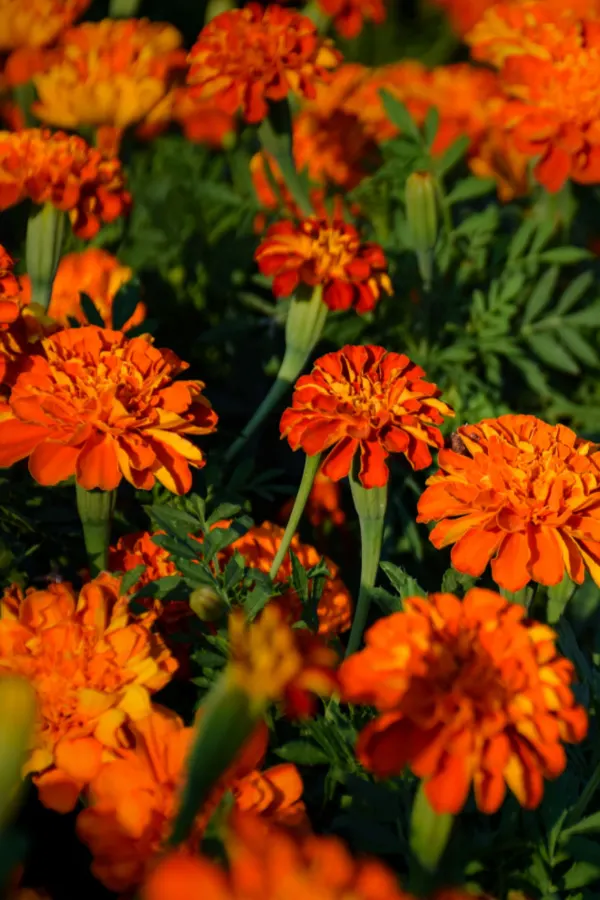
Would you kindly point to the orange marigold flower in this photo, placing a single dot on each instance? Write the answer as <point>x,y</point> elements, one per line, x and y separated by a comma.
<point>464,14</point>
<point>63,170</point>
<point>101,406</point>
<point>133,799</point>
<point>350,15</point>
<point>327,252</point>
<point>94,272</point>
<point>365,400</point>
<point>35,23</point>
<point>113,72</point>
<point>469,694</point>
<point>259,547</point>
<point>10,293</point>
<point>92,666</point>
<point>272,662</point>
<point>522,494</point>
<point>139,549</point>
<point>203,121</point>
<point>245,58</point>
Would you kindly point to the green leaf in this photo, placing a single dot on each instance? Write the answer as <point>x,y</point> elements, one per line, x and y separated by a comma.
<point>521,240</point>
<point>574,292</point>
<point>541,295</point>
<point>565,256</point>
<point>299,577</point>
<point>429,831</point>
<point>453,155</point>
<point>223,511</point>
<point>589,825</point>
<point>589,316</point>
<point>403,583</point>
<point>130,578</point>
<point>550,351</point>
<point>431,125</point>
<point>303,753</point>
<point>578,346</point>
<point>174,521</point>
<point>125,302</point>
<point>470,188</point>
<point>399,116</point>
<point>90,310</point>
<point>558,597</point>
<point>452,580</point>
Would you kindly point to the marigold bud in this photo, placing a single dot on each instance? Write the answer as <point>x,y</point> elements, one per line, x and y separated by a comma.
<point>422,218</point>
<point>207,604</point>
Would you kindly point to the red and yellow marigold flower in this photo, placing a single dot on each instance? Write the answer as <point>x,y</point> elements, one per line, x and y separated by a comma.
<point>65,171</point>
<point>101,407</point>
<point>469,694</point>
<point>369,401</point>
<point>272,662</point>
<point>36,23</point>
<point>113,72</point>
<point>133,799</point>
<point>92,665</point>
<point>349,16</point>
<point>94,272</point>
<point>10,292</point>
<point>522,494</point>
<point>245,58</point>
<point>327,253</point>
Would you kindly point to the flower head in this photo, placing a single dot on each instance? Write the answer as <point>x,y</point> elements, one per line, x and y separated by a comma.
<point>271,662</point>
<point>94,272</point>
<point>247,57</point>
<point>469,694</point>
<point>10,292</point>
<point>350,15</point>
<point>64,171</point>
<point>369,401</point>
<point>92,666</point>
<point>522,494</point>
<point>113,72</point>
<point>103,407</point>
<point>325,252</point>
<point>35,23</point>
<point>133,799</point>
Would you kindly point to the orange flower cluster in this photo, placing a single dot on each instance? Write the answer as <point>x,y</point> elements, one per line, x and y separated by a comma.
<point>349,16</point>
<point>522,494</point>
<point>248,57</point>
<point>101,407</point>
<point>369,401</point>
<point>94,272</point>
<point>113,72</point>
<point>469,694</point>
<point>133,799</point>
<point>326,252</point>
<point>549,63</point>
<point>65,171</point>
<point>36,23</point>
<point>92,666</point>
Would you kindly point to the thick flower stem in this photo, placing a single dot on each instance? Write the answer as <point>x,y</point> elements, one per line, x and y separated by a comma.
<point>275,134</point>
<point>370,505</point>
<point>123,9</point>
<point>45,232</point>
<point>305,322</point>
<point>316,14</point>
<point>429,835</point>
<point>95,510</point>
<point>308,476</point>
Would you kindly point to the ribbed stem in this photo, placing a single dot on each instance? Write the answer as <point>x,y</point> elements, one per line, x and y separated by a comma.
<point>96,510</point>
<point>275,135</point>
<point>370,505</point>
<point>45,233</point>
<point>308,476</point>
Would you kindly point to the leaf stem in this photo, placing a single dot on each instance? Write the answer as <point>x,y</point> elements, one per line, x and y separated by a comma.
<point>311,466</point>
<point>275,135</point>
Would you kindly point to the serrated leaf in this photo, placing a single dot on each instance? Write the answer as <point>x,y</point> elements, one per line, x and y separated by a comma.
<point>303,753</point>
<point>470,188</point>
<point>299,576</point>
<point>550,351</point>
<point>453,155</point>
<point>521,239</point>
<point>131,578</point>
<point>452,580</point>
<point>584,317</point>
<point>431,125</point>
<point>578,346</point>
<point>574,292</point>
<point>541,295</point>
<point>125,302</point>
<point>223,511</point>
<point>565,256</point>
<point>90,310</point>
<point>402,582</point>
<point>399,116</point>
<point>174,521</point>
<point>207,660</point>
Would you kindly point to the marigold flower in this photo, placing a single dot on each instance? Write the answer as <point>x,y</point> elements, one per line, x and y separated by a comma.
<point>246,58</point>
<point>35,23</point>
<point>93,272</point>
<point>113,72</point>
<point>202,121</point>
<point>318,251</point>
<point>92,666</point>
<point>272,662</point>
<point>133,799</point>
<point>366,400</point>
<point>469,693</point>
<point>104,407</point>
<point>522,494</point>
<point>10,306</point>
<point>63,170</point>
<point>259,547</point>
<point>350,15</point>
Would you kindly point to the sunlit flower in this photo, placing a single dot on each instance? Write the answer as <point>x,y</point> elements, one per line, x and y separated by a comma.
<point>139,549</point>
<point>113,72</point>
<point>92,666</point>
<point>350,15</point>
<point>464,14</point>
<point>133,799</point>
<point>10,300</point>
<point>93,272</point>
<point>62,170</point>
<point>369,401</point>
<point>522,494</point>
<point>203,120</point>
<point>273,662</point>
<point>496,156</point>
<point>327,252</point>
<point>103,407</point>
<point>469,694</point>
<point>35,23</point>
<point>324,504</point>
<point>259,546</point>
<point>246,58</point>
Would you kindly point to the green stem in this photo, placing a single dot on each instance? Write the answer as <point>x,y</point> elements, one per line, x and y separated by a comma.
<point>25,96</point>
<point>311,466</point>
<point>429,836</point>
<point>45,233</point>
<point>96,510</point>
<point>275,135</point>
<point>123,9</point>
<point>370,504</point>
<point>216,7</point>
<point>316,14</point>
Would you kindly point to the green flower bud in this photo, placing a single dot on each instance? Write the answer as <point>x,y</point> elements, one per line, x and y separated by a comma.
<point>422,219</point>
<point>207,604</point>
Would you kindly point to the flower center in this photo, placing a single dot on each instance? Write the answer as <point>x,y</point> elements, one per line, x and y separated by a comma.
<point>334,249</point>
